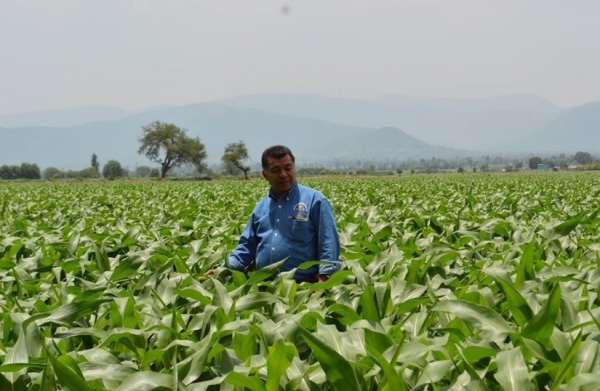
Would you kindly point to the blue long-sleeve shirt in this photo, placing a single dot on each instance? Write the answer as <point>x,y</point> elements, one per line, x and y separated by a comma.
<point>299,226</point>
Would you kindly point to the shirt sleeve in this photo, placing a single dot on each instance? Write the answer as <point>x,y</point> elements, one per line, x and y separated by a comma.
<point>328,241</point>
<point>245,252</point>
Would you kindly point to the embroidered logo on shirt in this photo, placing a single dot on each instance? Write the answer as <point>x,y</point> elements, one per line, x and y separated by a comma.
<point>300,212</point>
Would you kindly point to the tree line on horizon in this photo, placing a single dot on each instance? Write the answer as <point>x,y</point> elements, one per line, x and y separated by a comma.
<point>170,147</point>
<point>162,143</point>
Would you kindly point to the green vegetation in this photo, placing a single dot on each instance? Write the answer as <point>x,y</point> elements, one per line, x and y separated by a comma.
<point>234,156</point>
<point>169,146</point>
<point>112,169</point>
<point>95,163</point>
<point>534,162</point>
<point>465,281</point>
<point>24,171</point>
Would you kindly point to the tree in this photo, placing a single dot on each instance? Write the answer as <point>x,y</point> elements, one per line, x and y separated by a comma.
<point>169,145</point>
<point>30,171</point>
<point>154,173</point>
<point>51,173</point>
<point>6,172</point>
<point>583,157</point>
<point>534,161</point>
<point>234,155</point>
<point>87,173</point>
<point>112,169</point>
<point>142,171</point>
<point>96,163</point>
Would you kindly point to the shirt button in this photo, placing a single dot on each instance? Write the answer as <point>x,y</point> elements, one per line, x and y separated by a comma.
<point>279,206</point>
<point>278,220</point>
<point>273,249</point>
<point>275,233</point>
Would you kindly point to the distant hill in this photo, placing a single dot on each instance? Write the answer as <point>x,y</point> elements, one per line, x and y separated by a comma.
<point>506,102</point>
<point>216,125</point>
<point>319,129</point>
<point>389,143</point>
<point>66,117</point>
<point>476,124</point>
<point>577,129</point>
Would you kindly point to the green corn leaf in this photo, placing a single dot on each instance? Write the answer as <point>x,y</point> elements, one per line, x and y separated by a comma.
<point>239,380</point>
<point>279,359</point>
<point>17,355</point>
<point>482,317</point>
<point>475,353</point>
<point>338,370</point>
<point>69,379</point>
<point>221,297</point>
<point>148,381</point>
<point>513,374</point>
<point>368,304</point>
<point>588,358</point>
<point>524,269</point>
<point>336,279</point>
<point>392,379</point>
<point>126,268</point>
<point>519,308</point>
<point>540,327</point>
<point>564,228</point>
<point>253,301</point>
<point>567,365</point>
<point>264,273</point>
<point>66,313</point>
<point>584,382</point>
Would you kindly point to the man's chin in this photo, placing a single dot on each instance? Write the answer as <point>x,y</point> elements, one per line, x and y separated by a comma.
<point>283,188</point>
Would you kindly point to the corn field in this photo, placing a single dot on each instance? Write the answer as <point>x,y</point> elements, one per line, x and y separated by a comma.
<point>450,282</point>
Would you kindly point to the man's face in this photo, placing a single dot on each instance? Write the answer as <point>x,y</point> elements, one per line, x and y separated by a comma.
<point>280,173</point>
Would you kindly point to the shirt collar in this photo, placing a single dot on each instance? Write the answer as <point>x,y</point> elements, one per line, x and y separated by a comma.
<point>291,191</point>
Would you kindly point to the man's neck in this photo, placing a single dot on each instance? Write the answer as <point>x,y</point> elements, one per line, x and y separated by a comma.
<point>278,196</point>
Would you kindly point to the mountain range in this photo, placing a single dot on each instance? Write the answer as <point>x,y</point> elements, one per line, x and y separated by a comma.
<point>318,129</point>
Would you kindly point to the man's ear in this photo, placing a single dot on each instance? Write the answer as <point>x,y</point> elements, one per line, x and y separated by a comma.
<point>264,174</point>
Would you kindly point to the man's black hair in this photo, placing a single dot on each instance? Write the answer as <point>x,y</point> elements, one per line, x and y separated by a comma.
<point>276,152</point>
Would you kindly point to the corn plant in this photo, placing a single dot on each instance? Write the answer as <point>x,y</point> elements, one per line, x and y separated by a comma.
<point>473,282</point>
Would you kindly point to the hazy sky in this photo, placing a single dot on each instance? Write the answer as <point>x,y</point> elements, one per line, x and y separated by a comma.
<point>135,54</point>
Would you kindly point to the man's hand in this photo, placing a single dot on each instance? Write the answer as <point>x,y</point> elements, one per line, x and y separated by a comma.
<point>323,277</point>
<point>211,272</point>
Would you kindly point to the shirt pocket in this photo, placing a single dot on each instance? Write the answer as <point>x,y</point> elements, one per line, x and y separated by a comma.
<point>299,230</point>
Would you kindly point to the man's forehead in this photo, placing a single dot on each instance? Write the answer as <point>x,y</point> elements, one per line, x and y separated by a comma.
<point>284,161</point>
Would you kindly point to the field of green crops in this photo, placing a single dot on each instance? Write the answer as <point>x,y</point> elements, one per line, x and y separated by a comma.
<point>474,282</point>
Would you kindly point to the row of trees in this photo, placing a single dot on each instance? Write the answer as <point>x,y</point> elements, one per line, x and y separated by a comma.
<point>562,161</point>
<point>170,146</point>
<point>24,171</point>
<point>112,169</point>
<point>162,143</point>
<point>462,164</point>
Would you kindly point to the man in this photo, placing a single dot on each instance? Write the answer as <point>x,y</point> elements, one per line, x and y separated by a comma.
<point>293,222</point>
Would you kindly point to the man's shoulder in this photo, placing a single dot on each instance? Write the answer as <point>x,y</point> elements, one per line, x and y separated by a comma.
<point>262,203</point>
<point>309,191</point>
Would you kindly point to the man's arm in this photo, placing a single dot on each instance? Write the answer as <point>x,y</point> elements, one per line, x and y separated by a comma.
<point>328,241</point>
<point>245,252</point>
